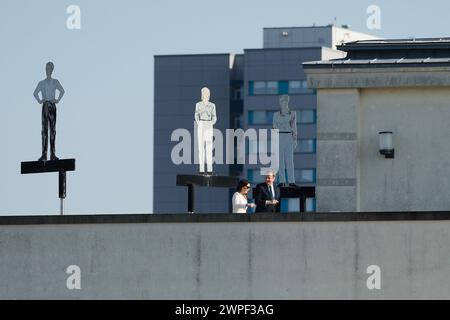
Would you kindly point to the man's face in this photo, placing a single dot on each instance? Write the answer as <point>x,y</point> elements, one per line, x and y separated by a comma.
<point>270,179</point>
<point>49,70</point>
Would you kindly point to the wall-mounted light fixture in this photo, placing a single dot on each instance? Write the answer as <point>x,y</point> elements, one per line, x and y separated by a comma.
<point>386,145</point>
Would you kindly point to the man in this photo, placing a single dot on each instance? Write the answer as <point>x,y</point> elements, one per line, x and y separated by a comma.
<point>47,88</point>
<point>205,118</point>
<point>267,195</point>
<point>286,122</point>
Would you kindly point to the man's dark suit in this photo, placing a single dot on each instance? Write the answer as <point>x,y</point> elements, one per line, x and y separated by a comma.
<point>261,194</point>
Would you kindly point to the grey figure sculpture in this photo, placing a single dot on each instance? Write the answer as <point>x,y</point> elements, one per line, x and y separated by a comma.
<point>285,121</point>
<point>47,88</point>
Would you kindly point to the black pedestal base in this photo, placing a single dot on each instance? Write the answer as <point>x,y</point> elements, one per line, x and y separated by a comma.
<point>298,192</point>
<point>60,166</point>
<point>211,181</point>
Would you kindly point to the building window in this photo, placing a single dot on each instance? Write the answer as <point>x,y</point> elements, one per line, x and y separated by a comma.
<point>299,87</point>
<point>305,84</point>
<point>260,117</point>
<point>238,121</point>
<point>301,176</point>
<point>306,116</point>
<point>310,205</point>
<point>293,205</point>
<point>295,87</point>
<point>279,87</point>
<point>290,205</point>
<point>251,88</point>
<point>305,87</point>
<point>305,175</point>
<point>272,87</point>
<point>283,87</point>
<point>257,117</point>
<point>266,116</point>
<point>262,87</point>
<point>252,147</point>
<point>236,93</point>
<point>254,176</point>
<point>259,145</point>
<point>259,87</point>
<point>306,146</point>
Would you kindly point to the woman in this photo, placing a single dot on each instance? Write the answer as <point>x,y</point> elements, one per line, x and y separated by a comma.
<point>239,200</point>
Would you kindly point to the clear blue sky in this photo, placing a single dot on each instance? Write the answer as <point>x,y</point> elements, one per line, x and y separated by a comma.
<point>105,120</point>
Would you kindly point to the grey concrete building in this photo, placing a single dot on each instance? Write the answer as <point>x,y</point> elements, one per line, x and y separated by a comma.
<point>245,89</point>
<point>399,86</point>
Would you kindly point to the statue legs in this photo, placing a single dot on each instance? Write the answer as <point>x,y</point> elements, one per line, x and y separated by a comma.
<point>205,143</point>
<point>52,120</point>
<point>287,158</point>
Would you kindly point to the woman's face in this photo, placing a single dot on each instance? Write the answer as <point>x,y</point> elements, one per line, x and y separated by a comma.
<point>245,189</point>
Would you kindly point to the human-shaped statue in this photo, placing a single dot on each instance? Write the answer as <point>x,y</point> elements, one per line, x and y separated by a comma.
<point>47,88</point>
<point>286,122</point>
<point>205,118</point>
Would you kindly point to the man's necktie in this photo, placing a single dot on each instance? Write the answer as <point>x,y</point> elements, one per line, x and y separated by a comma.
<point>271,192</point>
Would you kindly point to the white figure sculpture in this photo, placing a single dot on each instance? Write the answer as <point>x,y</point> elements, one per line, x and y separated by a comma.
<point>205,118</point>
<point>286,122</point>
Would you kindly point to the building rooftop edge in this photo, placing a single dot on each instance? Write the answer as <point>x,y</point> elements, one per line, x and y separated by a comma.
<point>377,63</point>
<point>344,26</point>
<point>224,218</point>
<point>396,44</point>
<point>193,55</point>
<point>288,48</point>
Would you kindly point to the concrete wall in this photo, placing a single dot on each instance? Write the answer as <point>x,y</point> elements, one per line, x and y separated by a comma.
<point>241,260</point>
<point>337,150</point>
<point>417,179</point>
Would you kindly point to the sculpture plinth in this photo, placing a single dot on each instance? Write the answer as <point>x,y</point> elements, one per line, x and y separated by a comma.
<point>212,181</point>
<point>60,166</point>
<point>298,192</point>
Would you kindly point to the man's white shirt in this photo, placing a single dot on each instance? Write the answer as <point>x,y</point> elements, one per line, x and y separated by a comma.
<point>48,88</point>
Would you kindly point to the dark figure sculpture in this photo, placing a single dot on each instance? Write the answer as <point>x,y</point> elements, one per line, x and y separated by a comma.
<point>47,88</point>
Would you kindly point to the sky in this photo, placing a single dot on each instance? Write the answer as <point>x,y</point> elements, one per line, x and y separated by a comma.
<point>105,119</point>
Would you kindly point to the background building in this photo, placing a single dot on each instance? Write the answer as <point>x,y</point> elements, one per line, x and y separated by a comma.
<point>402,86</point>
<point>245,89</point>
